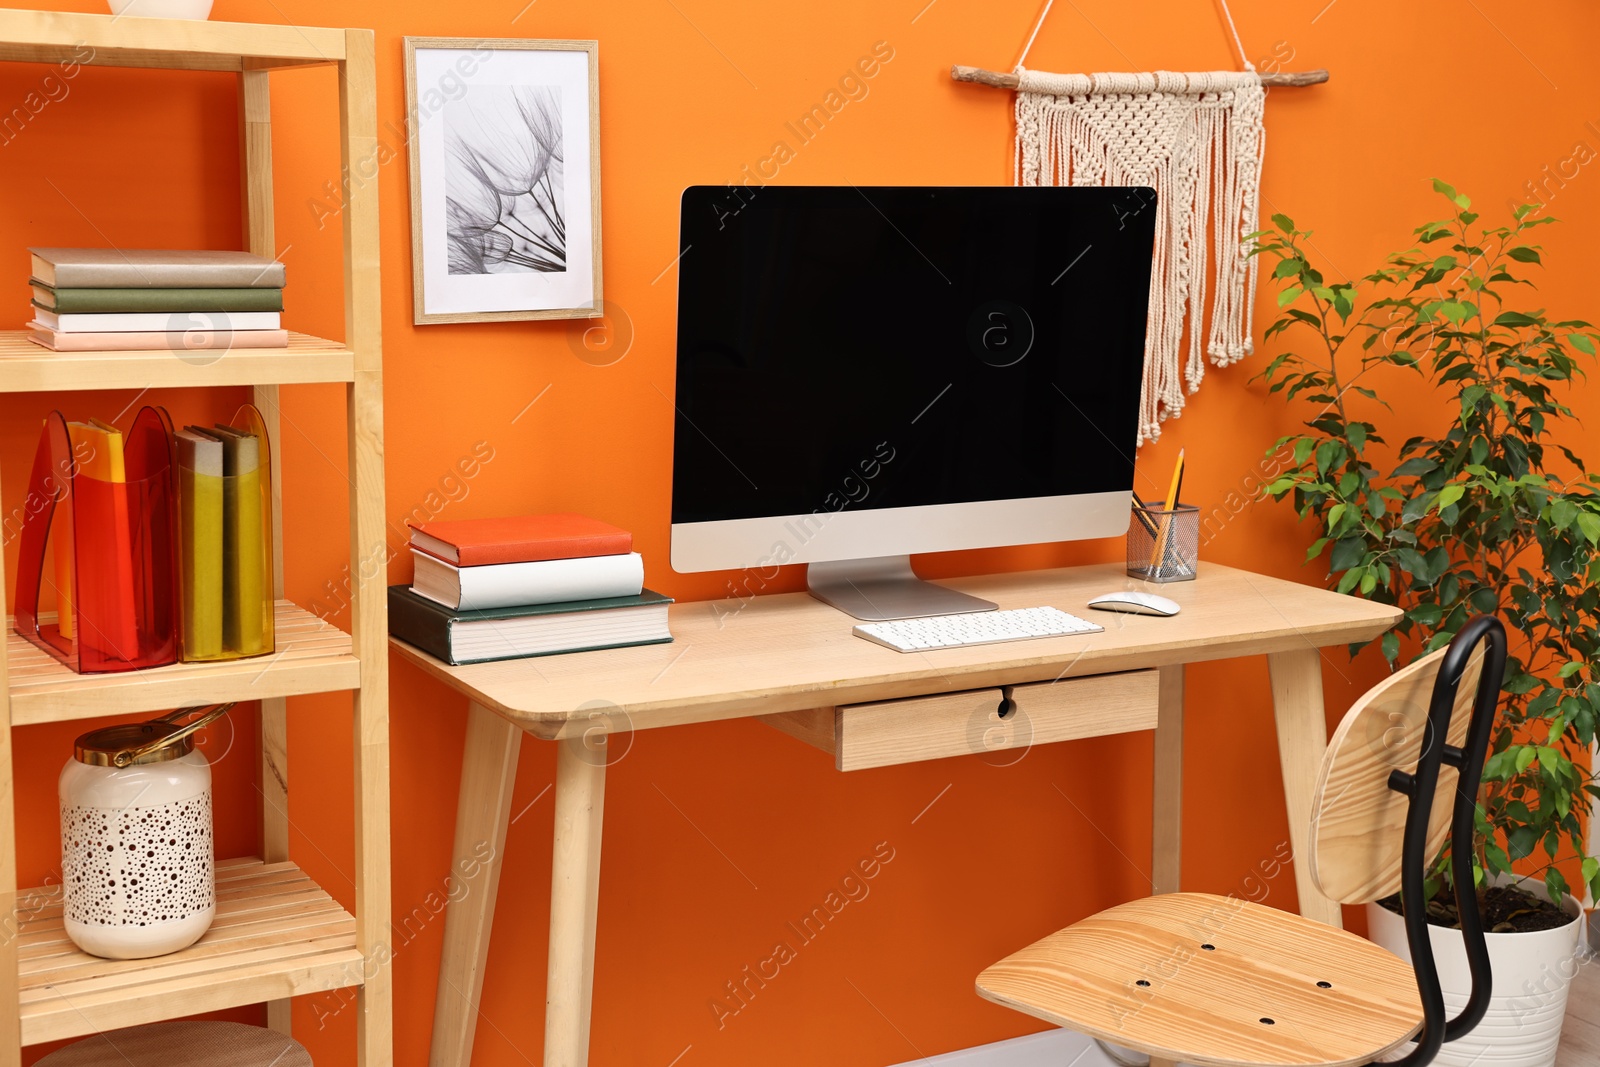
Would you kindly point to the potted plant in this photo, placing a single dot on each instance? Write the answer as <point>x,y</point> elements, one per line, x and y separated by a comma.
<point>1488,510</point>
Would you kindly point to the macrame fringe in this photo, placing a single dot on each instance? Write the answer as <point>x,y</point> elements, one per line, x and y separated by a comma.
<point>1197,139</point>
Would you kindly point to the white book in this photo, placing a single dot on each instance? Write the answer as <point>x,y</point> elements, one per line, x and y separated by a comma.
<point>509,585</point>
<point>182,322</point>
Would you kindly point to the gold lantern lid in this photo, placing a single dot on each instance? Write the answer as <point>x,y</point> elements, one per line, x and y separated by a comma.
<point>137,743</point>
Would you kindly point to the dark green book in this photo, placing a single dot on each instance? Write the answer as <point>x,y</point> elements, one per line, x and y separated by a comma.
<point>123,301</point>
<point>533,630</point>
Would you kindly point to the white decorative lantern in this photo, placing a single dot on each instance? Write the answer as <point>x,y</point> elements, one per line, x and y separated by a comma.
<point>136,849</point>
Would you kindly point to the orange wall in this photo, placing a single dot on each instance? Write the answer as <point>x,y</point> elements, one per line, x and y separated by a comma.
<point>719,835</point>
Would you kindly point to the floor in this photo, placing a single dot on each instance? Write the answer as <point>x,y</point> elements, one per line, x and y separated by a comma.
<point>1580,1038</point>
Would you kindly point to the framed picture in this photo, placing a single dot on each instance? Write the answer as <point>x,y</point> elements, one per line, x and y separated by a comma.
<point>505,179</point>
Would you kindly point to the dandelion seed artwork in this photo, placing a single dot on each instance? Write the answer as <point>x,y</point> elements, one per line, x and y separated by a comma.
<point>505,179</point>
<point>502,180</point>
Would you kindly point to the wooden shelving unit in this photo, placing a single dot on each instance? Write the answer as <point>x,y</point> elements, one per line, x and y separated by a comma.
<point>277,934</point>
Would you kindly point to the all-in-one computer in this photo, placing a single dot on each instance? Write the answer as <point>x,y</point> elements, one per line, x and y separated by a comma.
<point>868,373</point>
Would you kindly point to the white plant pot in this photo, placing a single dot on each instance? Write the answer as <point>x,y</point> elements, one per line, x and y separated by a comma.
<point>163,9</point>
<point>1532,975</point>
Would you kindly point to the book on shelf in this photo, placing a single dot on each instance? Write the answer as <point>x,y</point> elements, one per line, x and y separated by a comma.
<point>519,539</point>
<point>179,322</point>
<point>159,268</point>
<point>544,581</point>
<point>244,578</point>
<point>174,341</point>
<point>108,301</point>
<point>460,637</point>
<point>97,446</point>
<point>200,542</point>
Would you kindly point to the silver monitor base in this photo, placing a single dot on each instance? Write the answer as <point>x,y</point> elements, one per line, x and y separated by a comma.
<point>876,590</point>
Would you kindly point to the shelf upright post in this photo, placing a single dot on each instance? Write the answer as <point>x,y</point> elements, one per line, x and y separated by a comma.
<point>10,923</point>
<point>369,549</point>
<point>255,128</point>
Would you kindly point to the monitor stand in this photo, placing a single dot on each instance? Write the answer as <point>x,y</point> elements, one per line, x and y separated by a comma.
<point>884,588</point>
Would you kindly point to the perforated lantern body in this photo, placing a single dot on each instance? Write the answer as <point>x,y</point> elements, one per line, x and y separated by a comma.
<point>136,853</point>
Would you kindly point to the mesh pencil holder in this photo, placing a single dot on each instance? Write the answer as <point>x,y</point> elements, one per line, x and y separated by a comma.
<point>223,477</point>
<point>109,538</point>
<point>1164,543</point>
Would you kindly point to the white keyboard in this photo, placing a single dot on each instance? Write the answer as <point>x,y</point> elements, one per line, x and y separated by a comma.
<point>973,628</point>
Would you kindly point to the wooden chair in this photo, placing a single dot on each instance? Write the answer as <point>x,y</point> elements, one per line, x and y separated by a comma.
<point>1223,982</point>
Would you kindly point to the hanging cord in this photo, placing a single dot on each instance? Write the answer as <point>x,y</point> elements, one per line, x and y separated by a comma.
<point>1037,26</point>
<point>1226,14</point>
<point>1235,31</point>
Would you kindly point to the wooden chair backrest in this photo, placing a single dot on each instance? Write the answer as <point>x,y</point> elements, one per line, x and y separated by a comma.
<point>1357,821</point>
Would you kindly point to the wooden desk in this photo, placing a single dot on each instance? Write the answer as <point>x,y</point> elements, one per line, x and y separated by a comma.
<point>793,662</point>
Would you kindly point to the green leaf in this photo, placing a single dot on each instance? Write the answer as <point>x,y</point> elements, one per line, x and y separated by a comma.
<point>1287,267</point>
<point>1523,254</point>
<point>1283,222</point>
<point>1289,295</point>
<point>1347,553</point>
<point>1555,883</point>
<point>1521,841</point>
<point>1449,495</point>
<point>1391,647</point>
<point>1582,342</point>
<point>1510,318</point>
<point>1589,525</point>
<point>1414,467</point>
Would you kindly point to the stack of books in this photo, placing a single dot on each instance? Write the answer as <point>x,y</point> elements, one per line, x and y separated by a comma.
<point>115,300</point>
<point>534,585</point>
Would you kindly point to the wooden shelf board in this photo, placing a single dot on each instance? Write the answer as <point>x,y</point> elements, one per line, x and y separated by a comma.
<point>182,44</point>
<point>29,368</point>
<point>277,934</point>
<point>312,657</point>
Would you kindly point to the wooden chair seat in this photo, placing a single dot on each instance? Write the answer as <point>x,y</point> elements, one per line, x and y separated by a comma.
<point>1229,984</point>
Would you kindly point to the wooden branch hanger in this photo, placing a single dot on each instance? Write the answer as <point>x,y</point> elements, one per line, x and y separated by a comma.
<point>996,79</point>
<point>999,80</point>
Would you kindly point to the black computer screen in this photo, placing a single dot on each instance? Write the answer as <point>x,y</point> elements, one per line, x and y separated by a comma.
<point>897,346</point>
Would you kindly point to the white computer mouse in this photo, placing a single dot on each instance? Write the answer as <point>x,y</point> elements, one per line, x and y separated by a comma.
<point>1135,603</point>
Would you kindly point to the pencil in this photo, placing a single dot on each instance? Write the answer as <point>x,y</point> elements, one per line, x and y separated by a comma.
<point>1158,552</point>
<point>1141,510</point>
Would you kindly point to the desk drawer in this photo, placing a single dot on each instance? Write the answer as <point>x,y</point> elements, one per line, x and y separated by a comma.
<point>888,732</point>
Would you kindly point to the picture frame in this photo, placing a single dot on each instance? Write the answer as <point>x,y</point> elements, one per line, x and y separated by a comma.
<point>504,145</point>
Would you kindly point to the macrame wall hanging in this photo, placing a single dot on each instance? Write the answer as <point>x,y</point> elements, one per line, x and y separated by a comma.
<point>1197,139</point>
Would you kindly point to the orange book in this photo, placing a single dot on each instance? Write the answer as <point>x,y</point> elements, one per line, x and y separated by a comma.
<point>519,539</point>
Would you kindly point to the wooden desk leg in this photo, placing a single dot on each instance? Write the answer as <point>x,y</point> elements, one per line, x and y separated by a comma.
<point>1302,741</point>
<point>488,771</point>
<point>1167,838</point>
<point>574,898</point>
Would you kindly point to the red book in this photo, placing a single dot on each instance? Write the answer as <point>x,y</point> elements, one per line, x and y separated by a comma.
<point>519,539</point>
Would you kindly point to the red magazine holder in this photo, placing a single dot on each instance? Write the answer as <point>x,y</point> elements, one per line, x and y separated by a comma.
<point>122,602</point>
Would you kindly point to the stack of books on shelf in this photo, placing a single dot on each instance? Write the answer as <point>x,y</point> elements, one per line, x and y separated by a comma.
<point>533,585</point>
<point>158,300</point>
